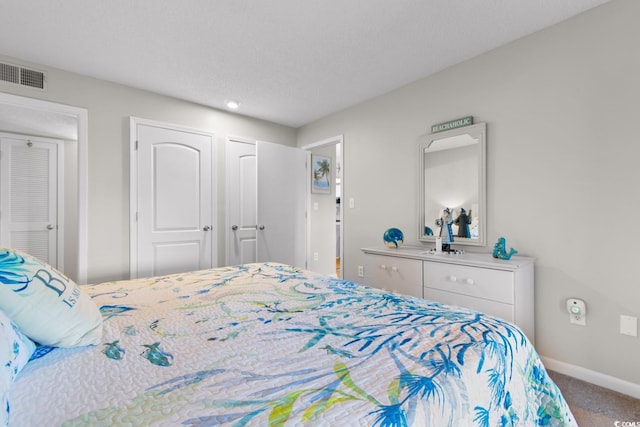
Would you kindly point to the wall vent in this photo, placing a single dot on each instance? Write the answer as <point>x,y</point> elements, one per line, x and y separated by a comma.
<point>23,76</point>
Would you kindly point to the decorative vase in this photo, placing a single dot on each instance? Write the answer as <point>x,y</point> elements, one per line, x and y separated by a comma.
<point>393,238</point>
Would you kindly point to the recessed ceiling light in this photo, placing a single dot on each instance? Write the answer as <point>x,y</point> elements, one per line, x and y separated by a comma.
<point>232,104</point>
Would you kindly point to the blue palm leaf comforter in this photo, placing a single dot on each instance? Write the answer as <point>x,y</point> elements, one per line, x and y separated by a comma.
<point>272,345</point>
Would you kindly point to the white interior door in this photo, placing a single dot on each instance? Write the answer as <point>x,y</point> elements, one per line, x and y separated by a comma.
<point>242,222</point>
<point>281,195</point>
<point>174,190</point>
<point>29,196</point>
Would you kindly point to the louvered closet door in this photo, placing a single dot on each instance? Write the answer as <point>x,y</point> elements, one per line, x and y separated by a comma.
<point>28,206</point>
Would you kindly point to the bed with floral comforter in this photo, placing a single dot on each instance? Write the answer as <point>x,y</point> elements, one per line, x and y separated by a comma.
<point>272,345</point>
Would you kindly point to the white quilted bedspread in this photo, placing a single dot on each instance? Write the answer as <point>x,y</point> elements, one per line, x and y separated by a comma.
<point>271,345</point>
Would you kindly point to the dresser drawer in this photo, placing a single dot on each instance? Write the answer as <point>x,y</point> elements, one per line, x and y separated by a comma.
<point>394,274</point>
<point>502,288</point>
<point>494,285</point>
<point>493,308</point>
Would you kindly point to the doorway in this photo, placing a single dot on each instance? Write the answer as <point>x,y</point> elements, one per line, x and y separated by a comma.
<point>24,115</point>
<point>325,226</point>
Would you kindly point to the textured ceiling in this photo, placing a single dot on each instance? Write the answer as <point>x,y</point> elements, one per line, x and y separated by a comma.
<point>286,61</point>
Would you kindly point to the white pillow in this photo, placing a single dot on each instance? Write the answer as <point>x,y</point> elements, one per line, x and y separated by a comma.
<point>15,351</point>
<point>48,307</point>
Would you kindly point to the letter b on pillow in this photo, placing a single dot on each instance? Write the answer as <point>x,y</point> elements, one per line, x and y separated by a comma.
<point>48,307</point>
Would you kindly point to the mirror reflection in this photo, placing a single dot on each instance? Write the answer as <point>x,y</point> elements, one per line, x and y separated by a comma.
<point>452,186</point>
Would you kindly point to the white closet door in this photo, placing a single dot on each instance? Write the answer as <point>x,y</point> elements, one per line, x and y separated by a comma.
<point>174,200</point>
<point>241,202</point>
<point>28,189</point>
<point>282,190</point>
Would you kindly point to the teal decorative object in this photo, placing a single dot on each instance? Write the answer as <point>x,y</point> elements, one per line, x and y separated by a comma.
<point>393,238</point>
<point>500,249</point>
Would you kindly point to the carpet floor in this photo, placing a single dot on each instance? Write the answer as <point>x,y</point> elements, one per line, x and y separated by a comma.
<point>595,406</point>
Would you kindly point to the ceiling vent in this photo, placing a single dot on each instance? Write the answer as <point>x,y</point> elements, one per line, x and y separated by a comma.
<point>22,76</point>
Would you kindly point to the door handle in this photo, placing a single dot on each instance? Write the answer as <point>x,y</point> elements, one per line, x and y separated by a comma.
<point>261,227</point>
<point>206,228</point>
<point>50,227</point>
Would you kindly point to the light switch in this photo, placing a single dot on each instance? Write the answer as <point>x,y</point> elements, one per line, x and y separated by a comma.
<point>352,203</point>
<point>629,325</point>
<point>315,206</point>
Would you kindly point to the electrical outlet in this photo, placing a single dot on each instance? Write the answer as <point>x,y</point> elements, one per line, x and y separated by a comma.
<point>361,271</point>
<point>315,256</point>
<point>577,311</point>
<point>577,319</point>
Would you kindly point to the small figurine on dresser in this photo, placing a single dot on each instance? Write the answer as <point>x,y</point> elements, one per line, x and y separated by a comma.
<point>463,221</point>
<point>500,250</point>
<point>444,222</point>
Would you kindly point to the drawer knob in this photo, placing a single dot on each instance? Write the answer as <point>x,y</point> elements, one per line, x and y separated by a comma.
<point>382,266</point>
<point>394,268</point>
<point>469,281</point>
<point>453,278</point>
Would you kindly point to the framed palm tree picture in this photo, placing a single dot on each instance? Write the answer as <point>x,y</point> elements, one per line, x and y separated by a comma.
<point>321,174</point>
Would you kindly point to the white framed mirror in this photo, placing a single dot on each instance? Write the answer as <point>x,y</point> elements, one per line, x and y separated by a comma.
<point>452,175</point>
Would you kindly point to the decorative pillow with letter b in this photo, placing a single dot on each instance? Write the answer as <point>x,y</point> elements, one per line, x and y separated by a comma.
<point>48,307</point>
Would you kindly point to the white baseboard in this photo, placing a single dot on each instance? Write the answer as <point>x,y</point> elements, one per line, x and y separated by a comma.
<point>593,377</point>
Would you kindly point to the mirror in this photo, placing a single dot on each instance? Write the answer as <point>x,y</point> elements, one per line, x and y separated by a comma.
<point>452,175</point>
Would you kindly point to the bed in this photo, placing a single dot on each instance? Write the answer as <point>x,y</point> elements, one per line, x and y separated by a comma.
<point>272,345</point>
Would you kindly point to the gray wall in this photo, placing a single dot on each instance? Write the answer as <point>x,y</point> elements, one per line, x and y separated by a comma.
<point>109,107</point>
<point>562,109</point>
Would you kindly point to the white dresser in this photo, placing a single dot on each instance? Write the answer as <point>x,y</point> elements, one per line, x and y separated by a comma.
<point>478,281</point>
